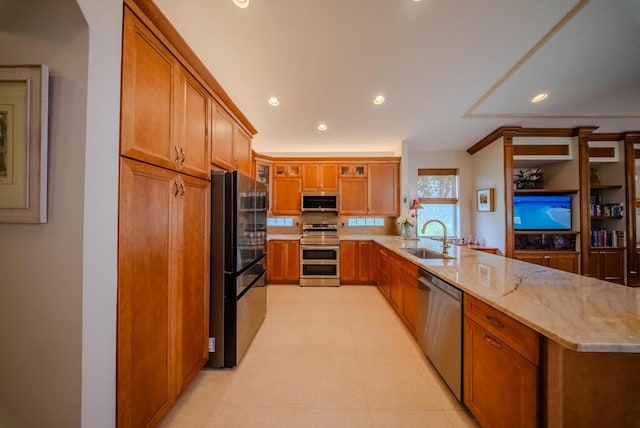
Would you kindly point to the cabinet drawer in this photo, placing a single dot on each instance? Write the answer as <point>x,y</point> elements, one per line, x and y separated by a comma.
<point>513,333</point>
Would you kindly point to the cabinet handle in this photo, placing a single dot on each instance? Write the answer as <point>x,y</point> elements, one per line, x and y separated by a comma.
<point>546,257</point>
<point>177,160</point>
<point>492,341</point>
<point>177,186</point>
<point>182,155</point>
<point>495,321</point>
<point>182,189</point>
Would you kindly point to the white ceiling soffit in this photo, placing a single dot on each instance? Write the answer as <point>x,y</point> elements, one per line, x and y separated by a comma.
<point>452,71</point>
<point>590,68</point>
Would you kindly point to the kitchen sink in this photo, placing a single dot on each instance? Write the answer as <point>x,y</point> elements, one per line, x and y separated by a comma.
<point>423,253</point>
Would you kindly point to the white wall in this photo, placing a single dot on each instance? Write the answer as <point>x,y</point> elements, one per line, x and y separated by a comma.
<point>100,249</point>
<point>488,172</point>
<point>58,286</point>
<point>412,160</point>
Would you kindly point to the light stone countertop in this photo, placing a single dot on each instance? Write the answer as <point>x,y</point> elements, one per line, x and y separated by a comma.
<point>578,312</point>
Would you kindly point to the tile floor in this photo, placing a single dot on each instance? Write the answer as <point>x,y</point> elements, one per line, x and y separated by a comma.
<point>324,357</point>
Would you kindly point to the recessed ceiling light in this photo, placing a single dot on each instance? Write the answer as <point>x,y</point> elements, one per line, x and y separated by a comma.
<point>322,127</point>
<point>274,101</point>
<point>242,4</point>
<point>378,100</point>
<point>540,97</point>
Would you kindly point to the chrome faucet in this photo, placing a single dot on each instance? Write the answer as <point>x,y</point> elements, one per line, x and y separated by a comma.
<point>445,246</point>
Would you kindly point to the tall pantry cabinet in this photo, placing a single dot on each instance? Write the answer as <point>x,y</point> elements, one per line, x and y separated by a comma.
<point>163,256</point>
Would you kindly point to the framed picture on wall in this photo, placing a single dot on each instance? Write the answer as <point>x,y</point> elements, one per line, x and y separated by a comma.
<point>24,94</point>
<point>484,199</point>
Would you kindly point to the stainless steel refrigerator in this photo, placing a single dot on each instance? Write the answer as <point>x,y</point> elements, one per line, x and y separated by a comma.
<point>238,293</point>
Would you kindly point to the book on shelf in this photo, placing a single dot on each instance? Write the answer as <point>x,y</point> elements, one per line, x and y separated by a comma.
<point>608,238</point>
<point>606,210</point>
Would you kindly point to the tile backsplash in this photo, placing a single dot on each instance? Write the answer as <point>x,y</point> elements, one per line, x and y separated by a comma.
<point>389,226</point>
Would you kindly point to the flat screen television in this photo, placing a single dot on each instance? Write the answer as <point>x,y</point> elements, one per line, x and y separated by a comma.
<point>542,212</point>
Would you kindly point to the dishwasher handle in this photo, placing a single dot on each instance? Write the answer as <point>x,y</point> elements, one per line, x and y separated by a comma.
<point>427,282</point>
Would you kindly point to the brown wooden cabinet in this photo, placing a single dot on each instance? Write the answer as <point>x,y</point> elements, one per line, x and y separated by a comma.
<point>286,170</point>
<point>562,260</point>
<point>383,190</point>
<point>231,145</point>
<point>319,176</point>
<point>382,269</point>
<point>165,110</point>
<point>356,262</point>
<point>286,197</point>
<point>222,140</point>
<point>501,359</point>
<point>352,196</point>
<point>395,284</point>
<point>283,261</point>
<point>194,111</point>
<point>410,296</point>
<point>242,151</point>
<point>163,284</point>
<point>607,264</point>
<point>150,75</point>
<point>353,170</point>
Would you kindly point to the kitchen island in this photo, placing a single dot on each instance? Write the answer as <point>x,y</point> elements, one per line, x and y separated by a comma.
<point>589,368</point>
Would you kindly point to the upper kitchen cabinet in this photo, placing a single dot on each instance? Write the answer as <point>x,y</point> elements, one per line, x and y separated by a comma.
<point>242,149</point>
<point>286,170</point>
<point>193,128</point>
<point>352,196</point>
<point>371,189</point>
<point>286,195</point>
<point>319,176</point>
<point>384,189</point>
<point>150,75</point>
<point>353,170</point>
<point>222,142</point>
<point>231,145</point>
<point>166,113</point>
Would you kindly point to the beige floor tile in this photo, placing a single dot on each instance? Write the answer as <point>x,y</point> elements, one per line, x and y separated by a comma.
<point>324,357</point>
<point>252,417</point>
<point>397,383</point>
<point>330,381</point>
<point>332,418</point>
<point>462,419</point>
<point>410,419</point>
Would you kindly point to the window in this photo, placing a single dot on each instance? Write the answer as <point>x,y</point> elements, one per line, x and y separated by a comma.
<point>438,196</point>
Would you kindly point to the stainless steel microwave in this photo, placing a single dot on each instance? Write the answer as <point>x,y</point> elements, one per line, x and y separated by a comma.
<point>319,201</point>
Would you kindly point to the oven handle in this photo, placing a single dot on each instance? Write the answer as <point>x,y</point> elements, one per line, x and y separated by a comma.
<point>319,247</point>
<point>319,262</point>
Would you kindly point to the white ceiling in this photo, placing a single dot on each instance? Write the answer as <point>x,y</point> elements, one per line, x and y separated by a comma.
<point>451,70</point>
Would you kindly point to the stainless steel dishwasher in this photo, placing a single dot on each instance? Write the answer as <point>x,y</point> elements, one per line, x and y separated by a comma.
<point>440,328</point>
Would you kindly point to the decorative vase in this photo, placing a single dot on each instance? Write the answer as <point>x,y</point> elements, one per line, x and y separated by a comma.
<point>406,231</point>
<point>593,177</point>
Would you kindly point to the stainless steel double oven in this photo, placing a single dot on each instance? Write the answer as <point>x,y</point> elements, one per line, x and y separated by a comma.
<point>320,255</point>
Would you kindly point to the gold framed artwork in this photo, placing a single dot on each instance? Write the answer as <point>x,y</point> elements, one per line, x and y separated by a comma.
<point>484,199</point>
<point>24,95</point>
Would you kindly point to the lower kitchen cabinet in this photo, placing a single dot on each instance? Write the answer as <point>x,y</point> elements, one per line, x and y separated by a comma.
<point>163,286</point>
<point>356,262</point>
<point>410,296</point>
<point>397,279</point>
<point>283,261</point>
<point>382,269</point>
<point>395,284</point>
<point>607,264</point>
<point>562,260</point>
<point>501,375</point>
